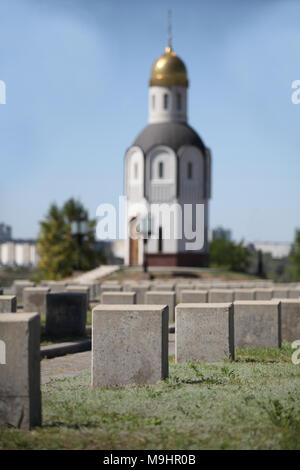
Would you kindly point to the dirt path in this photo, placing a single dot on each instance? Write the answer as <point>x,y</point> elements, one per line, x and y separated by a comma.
<point>95,274</point>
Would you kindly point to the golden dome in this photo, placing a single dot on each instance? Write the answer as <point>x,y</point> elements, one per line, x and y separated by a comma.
<point>169,70</point>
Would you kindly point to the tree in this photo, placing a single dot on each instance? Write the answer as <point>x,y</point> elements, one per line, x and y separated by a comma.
<point>229,255</point>
<point>295,255</point>
<point>59,252</point>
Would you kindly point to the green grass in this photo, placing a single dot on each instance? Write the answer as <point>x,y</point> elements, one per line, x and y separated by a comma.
<point>253,403</point>
<point>10,274</point>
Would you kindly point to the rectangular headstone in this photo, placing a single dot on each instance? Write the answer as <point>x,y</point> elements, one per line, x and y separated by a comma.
<point>66,314</point>
<point>220,295</point>
<point>111,288</point>
<point>8,303</point>
<point>194,296</point>
<point>130,344</point>
<point>180,286</point>
<point>18,286</point>
<point>34,299</point>
<point>257,324</point>
<point>94,288</point>
<point>55,286</point>
<point>118,298</point>
<point>263,294</point>
<point>97,290</point>
<point>200,286</point>
<point>162,298</point>
<point>140,289</point>
<point>20,395</point>
<point>127,283</point>
<point>204,332</point>
<point>290,319</point>
<point>294,293</point>
<point>244,294</point>
<point>81,289</point>
<point>280,293</point>
<point>163,286</point>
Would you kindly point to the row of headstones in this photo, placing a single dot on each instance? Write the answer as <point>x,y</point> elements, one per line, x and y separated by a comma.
<point>65,313</point>
<point>245,290</point>
<point>130,345</point>
<point>142,295</point>
<point>217,291</point>
<point>179,284</point>
<point>92,289</point>
<point>171,284</point>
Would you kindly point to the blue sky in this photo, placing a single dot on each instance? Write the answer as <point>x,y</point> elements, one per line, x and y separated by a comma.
<point>77,75</point>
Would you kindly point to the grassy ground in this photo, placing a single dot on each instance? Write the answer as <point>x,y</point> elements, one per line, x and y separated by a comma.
<point>9,274</point>
<point>200,274</point>
<point>253,403</point>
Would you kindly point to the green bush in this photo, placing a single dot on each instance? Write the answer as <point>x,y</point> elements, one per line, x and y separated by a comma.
<point>230,255</point>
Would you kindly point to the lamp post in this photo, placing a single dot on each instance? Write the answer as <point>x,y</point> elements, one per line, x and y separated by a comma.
<point>144,228</point>
<point>79,229</point>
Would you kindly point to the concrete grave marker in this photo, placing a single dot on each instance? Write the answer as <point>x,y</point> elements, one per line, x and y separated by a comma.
<point>8,303</point>
<point>257,324</point>
<point>204,332</point>
<point>130,344</point>
<point>162,298</point>
<point>118,298</point>
<point>290,319</point>
<point>20,396</point>
<point>66,314</point>
<point>34,299</point>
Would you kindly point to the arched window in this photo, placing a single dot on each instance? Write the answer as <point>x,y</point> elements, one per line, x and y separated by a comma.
<point>160,170</point>
<point>178,101</point>
<point>136,171</point>
<point>190,170</point>
<point>153,101</point>
<point>166,101</point>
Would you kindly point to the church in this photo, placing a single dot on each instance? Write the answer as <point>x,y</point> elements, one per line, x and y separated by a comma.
<point>169,165</point>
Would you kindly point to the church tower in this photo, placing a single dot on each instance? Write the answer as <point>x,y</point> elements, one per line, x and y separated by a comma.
<point>169,165</point>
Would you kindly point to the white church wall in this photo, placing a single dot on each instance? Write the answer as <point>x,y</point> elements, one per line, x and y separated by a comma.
<point>134,174</point>
<point>190,225</point>
<point>208,174</point>
<point>191,174</point>
<point>192,190</point>
<point>161,187</point>
<point>167,104</point>
<point>168,220</point>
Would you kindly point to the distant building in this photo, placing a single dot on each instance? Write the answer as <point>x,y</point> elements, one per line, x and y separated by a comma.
<point>276,249</point>
<point>220,232</point>
<point>18,252</point>
<point>5,233</point>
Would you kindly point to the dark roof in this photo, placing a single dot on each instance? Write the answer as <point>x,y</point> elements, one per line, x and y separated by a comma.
<point>171,134</point>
